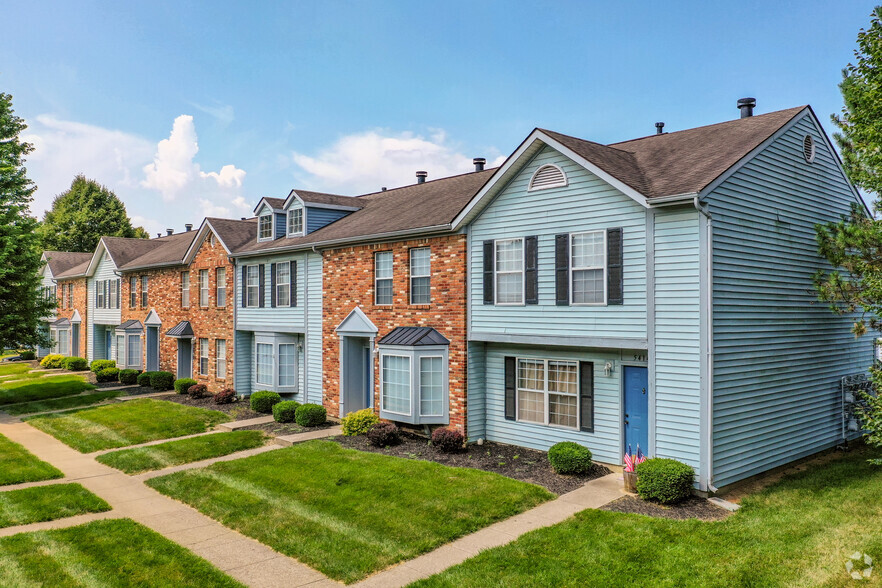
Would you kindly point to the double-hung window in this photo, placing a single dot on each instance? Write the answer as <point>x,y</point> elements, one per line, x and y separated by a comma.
<point>283,284</point>
<point>203,357</point>
<point>252,286</point>
<point>265,227</point>
<point>144,281</point>
<point>509,271</point>
<point>70,295</point>
<point>431,386</point>
<point>185,289</point>
<point>220,354</point>
<point>264,360</point>
<point>287,365</point>
<point>120,350</point>
<point>420,276</point>
<point>548,392</point>
<point>383,277</point>
<point>99,294</point>
<point>295,221</point>
<point>133,350</point>
<point>587,267</point>
<point>395,384</point>
<point>133,292</point>
<point>113,294</point>
<point>203,288</point>
<point>221,285</point>
<point>63,342</point>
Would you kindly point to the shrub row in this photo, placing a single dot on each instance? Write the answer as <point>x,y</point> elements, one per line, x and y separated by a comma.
<point>53,361</point>
<point>101,364</point>
<point>27,355</point>
<point>128,377</point>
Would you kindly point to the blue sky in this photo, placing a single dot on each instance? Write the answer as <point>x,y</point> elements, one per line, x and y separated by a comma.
<point>204,107</point>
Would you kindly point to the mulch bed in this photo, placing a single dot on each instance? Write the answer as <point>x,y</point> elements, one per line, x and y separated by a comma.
<point>137,391</point>
<point>238,410</point>
<point>527,465</point>
<point>691,508</point>
<point>280,429</point>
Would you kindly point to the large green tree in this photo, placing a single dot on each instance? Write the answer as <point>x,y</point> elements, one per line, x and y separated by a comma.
<point>21,305</point>
<point>860,123</point>
<point>84,213</point>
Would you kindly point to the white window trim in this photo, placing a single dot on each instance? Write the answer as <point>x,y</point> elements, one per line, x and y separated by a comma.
<point>121,356</point>
<point>412,276</point>
<point>257,364</point>
<point>409,384</point>
<point>66,334</point>
<point>604,239</point>
<point>546,393</point>
<point>203,354</point>
<point>185,290</point>
<point>419,395</point>
<point>279,284</point>
<point>204,288</point>
<point>218,358</point>
<point>523,273</point>
<point>278,366</point>
<point>302,230</point>
<point>128,347</point>
<point>217,287</point>
<point>259,221</point>
<point>391,278</point>
<point>134,292</point>
<point>566,180</point>
<point>256,286</point>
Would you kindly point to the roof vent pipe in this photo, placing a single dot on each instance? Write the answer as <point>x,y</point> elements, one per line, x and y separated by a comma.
<point>169,231</point>
<point>479,163</point>
<point>188,227</point>
<point>659,128</point>
<point>158,235</point>
<point>746,105</point>
<point>383,189</point>
<point>242,218</point>
<point>421,177</point>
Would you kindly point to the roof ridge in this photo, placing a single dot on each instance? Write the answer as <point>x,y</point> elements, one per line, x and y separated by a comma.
<point>425,183</point>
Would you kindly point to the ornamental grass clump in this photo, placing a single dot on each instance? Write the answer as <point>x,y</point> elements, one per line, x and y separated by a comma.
<point>667,481</point>
<point>285,411</point>
<point>448,440</point>
<point>359,422</point>
<point>568,457</point>
<point>264,400</point>
<point>310,415</point>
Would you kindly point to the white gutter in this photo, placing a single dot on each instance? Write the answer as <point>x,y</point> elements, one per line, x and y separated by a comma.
<point>707,454</point>
<point>673,199</point>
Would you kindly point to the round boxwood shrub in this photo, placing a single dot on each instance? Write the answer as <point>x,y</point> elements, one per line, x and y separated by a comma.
<point>285,411</point>
<point>162,381</point>
<point>128,377</point>
<point>143,379</point>
<point>359,422</point>
<point>384,434</point>
<point>197,391</point>
<point>225,396</point>
<point>53,361</point>
<point>568,457</point>
<point>183,384</point>
<point>101,364</point>
<point>664,480</point>
<point>448,439</point>
<point>107,375</point>
<point>75,364</point>
<point>27,355</point>
<point>263,401</point>
<point>310,415</point>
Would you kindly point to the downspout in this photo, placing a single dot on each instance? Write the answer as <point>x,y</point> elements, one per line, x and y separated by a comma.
<point>306,339</point>
<point>708,415</point>
<point>232,262</point>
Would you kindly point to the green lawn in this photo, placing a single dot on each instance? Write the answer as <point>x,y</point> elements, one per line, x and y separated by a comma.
<point>104,553</point>
<point>798,532</point>
<point>348,513</point>
<point>14,368</point>
<point>18,465</point>
<point>127,423</point>
<point>47,503</point>
<point>43,388</point>
<point>61,403</point>
<point>155,457</point>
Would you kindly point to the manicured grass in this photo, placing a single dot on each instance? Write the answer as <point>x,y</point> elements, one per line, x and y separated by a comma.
<point>798,532</point>
<point>47,503</point>
<point>61,403</point>
<point>127,423</point>
<point>154,457</point>
<point>43,388</point>
<point>14,368</point>
<point>104,553</point>
<point>348,513</point>
<point>18,465</point>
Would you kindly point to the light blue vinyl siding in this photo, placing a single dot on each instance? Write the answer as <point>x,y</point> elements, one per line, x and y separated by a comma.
<point>283,319</point>
<point>243,374</point>
<point>313,345</point>
<point>317,218</point>
<point>101,316</point>
<point>475,391</point>
<point>587,203</point>
<point>677,337</point>
<point>281,225</point>
<point>778,353</point>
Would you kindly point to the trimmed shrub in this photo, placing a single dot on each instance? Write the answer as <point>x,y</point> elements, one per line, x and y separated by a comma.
<point>359,422</point>
<point>568,457</point>
<point>101,364</point>
<point>53,361</point>
<point>310,415</point>
<point>75,364</point>
<point>107,375</point>
<point>285,411</point>
<point>225,396</point>
<point>183,385</point>
<point>143,379</point>
<point>197,391</point>
<point>264,400</point>
<point>664,480</point>
<point>128,377</point>
<point>162,381</point>
<point>448,439</point>
<point>27,355</point>
<point>383,435</point>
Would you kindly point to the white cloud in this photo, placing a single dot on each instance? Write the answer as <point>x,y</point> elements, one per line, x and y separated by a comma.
<point>363,162</point>
<point>224,113</point>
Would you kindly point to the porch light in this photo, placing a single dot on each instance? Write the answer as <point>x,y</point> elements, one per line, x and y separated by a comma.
<point>607,369</point>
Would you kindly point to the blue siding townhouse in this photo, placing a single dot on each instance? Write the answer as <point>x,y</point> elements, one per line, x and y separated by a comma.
<point>659,292</point>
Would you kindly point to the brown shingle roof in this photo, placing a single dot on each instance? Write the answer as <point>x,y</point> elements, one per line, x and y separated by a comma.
<point>335,199</point>
<point>60,262</point>
<point>276,203</point>
<point>168,250</point>
<point>234,233</point>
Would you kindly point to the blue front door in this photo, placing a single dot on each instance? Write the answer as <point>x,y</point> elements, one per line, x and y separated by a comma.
<point>636,413</point>
<point>108,344</point>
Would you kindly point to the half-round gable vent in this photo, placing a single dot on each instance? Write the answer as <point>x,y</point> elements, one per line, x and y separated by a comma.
<point>548,176</point>
<point>808,148</point>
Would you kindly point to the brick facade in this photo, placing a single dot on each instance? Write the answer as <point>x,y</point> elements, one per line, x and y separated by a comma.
<point>80,303</point>
<point>348,281</point>
<point>164,297</point>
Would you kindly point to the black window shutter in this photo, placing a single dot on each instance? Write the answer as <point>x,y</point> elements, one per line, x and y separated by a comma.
<point>106,293</point>
<point>273,285</point>
<point>261,283</point>
<point>510,381</point>
<point>531,270</point>
<point>293,283</point>
<point>586,396</point>
<point>562,270</point>
<point>244,286</point>
<point>118,291</point>
<point>488,271</point>
<point>614,269</point>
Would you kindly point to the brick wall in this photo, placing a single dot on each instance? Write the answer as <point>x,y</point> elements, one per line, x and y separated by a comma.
<point>80,303</point>
<point>163,296</point>
<point>348,281</point>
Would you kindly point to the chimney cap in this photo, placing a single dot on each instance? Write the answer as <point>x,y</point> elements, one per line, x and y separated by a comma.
<point>169,231</point>
<point>659,128</point>
<point>479,163</point>
<point>421,176</point>
<point>746,106</point>
<point>188,227</point>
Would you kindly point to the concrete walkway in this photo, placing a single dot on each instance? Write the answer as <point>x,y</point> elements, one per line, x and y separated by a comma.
<point>288,440</point>
<point>232,426</point>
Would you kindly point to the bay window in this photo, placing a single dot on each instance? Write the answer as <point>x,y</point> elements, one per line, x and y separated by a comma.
<point>276,362</point>
<point>414,378</point>
<point>264,356</point>
<point>133,351</point>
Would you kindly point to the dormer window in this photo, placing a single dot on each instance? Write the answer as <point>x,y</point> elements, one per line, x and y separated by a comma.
<point>265,227</point>
<point>548,176</point>
<point>295,222</point>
